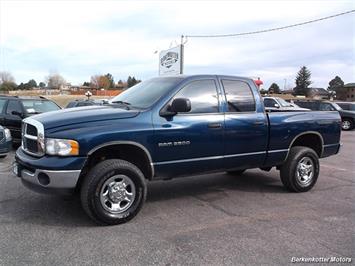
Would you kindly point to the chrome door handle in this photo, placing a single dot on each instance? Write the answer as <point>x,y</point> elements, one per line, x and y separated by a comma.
<point>215,125</point>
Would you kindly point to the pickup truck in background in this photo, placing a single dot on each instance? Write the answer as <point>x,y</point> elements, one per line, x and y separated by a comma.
<point>164,128</point>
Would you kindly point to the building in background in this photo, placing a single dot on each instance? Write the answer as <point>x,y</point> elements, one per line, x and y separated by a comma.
<point>346,93</point>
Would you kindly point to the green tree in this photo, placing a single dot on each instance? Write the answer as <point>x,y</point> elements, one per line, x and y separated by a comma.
<point>8,86</point>
<point>111,80</point>
<point>32,84</point>
<point>303,80</point>
<point>86,84</point>
<point>42,84</point>
<point>131,81</point>
<point>274,88</point>
<point>335,83</point>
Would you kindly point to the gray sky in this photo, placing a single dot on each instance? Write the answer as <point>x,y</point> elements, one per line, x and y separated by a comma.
<point>82,38</point>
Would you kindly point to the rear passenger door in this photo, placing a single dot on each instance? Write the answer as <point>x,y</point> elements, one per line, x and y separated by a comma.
<point>246,128</point>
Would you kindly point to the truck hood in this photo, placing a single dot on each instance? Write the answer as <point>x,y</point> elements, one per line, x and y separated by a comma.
<point>79,115</point>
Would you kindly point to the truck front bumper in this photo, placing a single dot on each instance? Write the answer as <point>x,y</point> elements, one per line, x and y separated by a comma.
<point>47,179</point>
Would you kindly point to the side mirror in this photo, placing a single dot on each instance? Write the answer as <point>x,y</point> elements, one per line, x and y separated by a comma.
<point>277,105</point>
<point>17,113</point>
<point>180,105</point>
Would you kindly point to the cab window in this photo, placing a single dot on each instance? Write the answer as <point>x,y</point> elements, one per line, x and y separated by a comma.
<point>202,95</point>
<point>239,96</point>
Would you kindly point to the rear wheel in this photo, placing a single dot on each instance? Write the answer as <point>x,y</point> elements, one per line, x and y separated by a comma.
<point>113,192</point>
<point>347,124</point>
<point>300,171</point>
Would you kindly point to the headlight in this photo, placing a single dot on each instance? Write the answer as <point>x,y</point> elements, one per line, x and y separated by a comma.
<point>62,147</point>
<point>7,134</point>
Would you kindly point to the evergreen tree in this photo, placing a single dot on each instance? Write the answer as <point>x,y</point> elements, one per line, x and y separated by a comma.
<point>303,80</point>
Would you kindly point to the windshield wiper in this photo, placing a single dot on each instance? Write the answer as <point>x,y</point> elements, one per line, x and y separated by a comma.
<point>127,105</point>
<point>121,102</point>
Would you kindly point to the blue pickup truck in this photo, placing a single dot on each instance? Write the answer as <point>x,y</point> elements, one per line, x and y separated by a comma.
<point>164,128</point>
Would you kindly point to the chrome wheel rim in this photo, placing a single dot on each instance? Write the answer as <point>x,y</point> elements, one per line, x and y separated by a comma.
<point>305,171</point>
<point>346,124</point>
<point>117,194</point>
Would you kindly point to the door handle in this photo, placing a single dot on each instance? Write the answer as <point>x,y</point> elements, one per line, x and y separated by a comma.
<point>215,125</point>
<point>258,123</point>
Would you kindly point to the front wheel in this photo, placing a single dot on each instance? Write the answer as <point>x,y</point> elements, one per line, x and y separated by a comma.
<point>347,124</point>
<point>300,171</point>
<point>113,192</point>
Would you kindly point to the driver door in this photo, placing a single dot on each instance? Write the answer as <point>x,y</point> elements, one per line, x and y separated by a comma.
<point>191,142</point>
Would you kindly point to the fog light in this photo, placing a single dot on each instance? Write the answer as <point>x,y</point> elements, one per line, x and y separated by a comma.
<point>43,179</point>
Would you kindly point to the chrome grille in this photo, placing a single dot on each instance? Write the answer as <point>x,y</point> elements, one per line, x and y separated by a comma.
<point>33,137</point>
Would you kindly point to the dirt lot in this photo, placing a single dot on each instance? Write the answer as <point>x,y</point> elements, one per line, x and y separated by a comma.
<point>210,219</point>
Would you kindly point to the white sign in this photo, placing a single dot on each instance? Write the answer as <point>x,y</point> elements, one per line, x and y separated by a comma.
<point>171,61</point>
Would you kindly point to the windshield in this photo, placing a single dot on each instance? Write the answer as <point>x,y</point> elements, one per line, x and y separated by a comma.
<point>336,106</point>
<point>146,93</point>
<point>284,103</point>
<point>39,106</point>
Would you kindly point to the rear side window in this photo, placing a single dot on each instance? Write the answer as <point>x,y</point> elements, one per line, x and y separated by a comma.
<point>202,95</point>
<point>13,106</point>
<point>239,96</point>
<point>2,105</point>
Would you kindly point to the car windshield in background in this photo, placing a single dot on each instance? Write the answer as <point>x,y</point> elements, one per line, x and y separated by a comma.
<point>39,106</point>
<point>284,103</point>
<point>145,94</point>
<point>336,106</point>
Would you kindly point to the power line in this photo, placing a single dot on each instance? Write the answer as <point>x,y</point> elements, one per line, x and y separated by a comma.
<point>268,30</point>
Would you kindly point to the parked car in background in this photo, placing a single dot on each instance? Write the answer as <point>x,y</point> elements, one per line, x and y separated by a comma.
<point>279,104</point>
<point>349,106</point>
<point>13,109</point>
<point>80,103</point>
<point>5,141</point>
<point>347,117</point>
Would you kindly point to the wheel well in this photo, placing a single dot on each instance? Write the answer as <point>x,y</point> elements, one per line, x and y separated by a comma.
<point>127,152</point>
<point>312,141</point>
<point>348,118</point>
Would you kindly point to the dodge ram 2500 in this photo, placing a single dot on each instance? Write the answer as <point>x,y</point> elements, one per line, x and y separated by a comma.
<point>164,128</point>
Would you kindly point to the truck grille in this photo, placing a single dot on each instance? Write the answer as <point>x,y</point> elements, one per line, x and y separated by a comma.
<point>2,135</point>
<point>33,137</point>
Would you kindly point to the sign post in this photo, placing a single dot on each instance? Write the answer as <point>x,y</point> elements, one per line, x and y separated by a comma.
<point>171,61</point>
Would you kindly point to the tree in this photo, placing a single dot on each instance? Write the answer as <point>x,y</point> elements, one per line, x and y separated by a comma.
<point>42,84</point>
<point>55,81</point>
<point>32,84</point>
<point>131,81</point>
<point>87,84</point>
<point>104,82</point>
<point>274,88</point>
<point>111,80</point>
<point>94,81</point>
<point>335,83</point>
<point>303,80</point>
<point>7,81</point>
<point>6,77</point>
